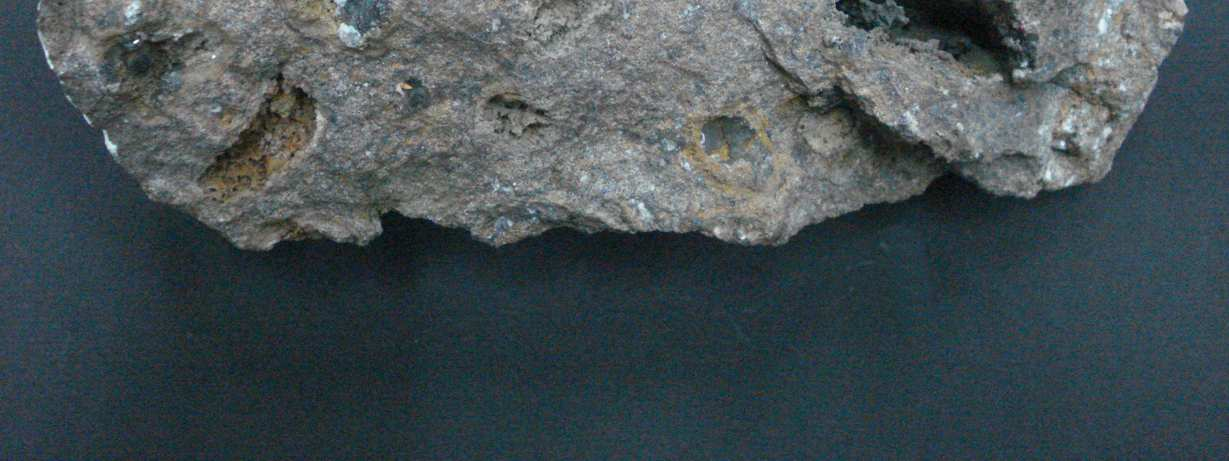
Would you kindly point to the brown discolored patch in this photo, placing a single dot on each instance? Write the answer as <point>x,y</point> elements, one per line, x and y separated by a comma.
<point>278,134</point>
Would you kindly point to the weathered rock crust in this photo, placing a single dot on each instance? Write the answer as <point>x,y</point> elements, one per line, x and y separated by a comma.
<point>746,120</point>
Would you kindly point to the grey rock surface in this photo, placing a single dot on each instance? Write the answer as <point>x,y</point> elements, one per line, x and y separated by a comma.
<point>746,120</point>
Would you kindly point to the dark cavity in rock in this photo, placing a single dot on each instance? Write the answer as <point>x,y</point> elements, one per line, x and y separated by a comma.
<point>976,34</point>
<point>515,117</point>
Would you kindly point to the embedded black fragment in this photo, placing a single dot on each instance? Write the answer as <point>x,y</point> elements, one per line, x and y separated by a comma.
<point>416,96</point>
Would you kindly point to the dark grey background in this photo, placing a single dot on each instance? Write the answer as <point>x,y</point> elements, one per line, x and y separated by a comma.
<point>1088,323</point>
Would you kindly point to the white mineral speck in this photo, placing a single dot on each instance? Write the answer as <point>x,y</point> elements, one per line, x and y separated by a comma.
<point>46,54</point>
<point>645,215</point>
<point>1103,26</point>
<point>350,36</point>
<point>132,13</point>
<point>111,147</point>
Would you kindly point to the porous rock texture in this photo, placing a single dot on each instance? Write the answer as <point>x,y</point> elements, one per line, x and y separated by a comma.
<point>746,120</point>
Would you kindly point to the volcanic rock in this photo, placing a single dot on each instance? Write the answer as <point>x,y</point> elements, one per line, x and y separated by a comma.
<point>745,120</point>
